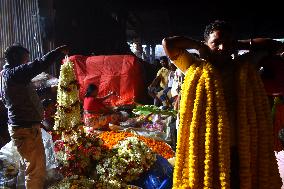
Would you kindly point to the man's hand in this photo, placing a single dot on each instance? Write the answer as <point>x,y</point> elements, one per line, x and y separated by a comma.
<point>204,51</point>
<point>63,49</point>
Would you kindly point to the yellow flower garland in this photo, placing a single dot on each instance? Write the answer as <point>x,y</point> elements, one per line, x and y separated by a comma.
<point>243,126</point>
<point>203,147</point>
<point>267,163</point>
<point>223,133</point>
<point>193,137</point>
<point>180,175</point>
<point>197,167</point>
<point>209,116</point>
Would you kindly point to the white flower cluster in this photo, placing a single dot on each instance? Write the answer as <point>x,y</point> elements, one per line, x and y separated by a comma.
<point>68,109</point>
<point>131,158</point>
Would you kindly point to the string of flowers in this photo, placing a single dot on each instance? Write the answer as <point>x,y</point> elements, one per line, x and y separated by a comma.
<point>193,136</point>
<point>275,180</point>
<point>222,131</point>
<point>200,156</point>
<point>252,122</point>
<point>267,162</point>
<point>244,130</point>
<point>180,176</point>
<point>68,107</point>
<point>209,116</point>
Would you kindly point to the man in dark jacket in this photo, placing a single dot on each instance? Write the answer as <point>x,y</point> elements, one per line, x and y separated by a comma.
<point>25,108</point>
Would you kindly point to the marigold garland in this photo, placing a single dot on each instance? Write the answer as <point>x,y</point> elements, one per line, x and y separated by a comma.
<point>181,172</point>
<point>266,157</point>
<point>194,158</point>
<point>194,162</point>
<point>223,131</point>
<point>252,122</point>
<point>243,126</point>
<point>193,137</point>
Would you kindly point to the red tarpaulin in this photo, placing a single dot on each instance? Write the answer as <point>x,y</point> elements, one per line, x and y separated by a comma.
<point>119,73</point>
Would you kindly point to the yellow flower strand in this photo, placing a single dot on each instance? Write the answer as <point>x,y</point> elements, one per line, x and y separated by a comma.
<point>201,142</point>
<point>223,133</point>
<point>180,176</point>
<point>185,117</point>
<point>252,124</point>
<point>193,137</point>
<point>274,180</point>
<point>263,156</point>
<point>209,116</point>
<point>243,128</point>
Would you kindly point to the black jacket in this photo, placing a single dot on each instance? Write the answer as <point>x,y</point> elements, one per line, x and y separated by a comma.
<point>18,93</point>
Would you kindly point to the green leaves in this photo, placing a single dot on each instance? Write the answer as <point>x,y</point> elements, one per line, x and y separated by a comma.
<point>152,109</point>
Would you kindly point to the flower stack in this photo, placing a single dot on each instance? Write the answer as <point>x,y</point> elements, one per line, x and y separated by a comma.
<point>68,117</point>
<point>76,151</point>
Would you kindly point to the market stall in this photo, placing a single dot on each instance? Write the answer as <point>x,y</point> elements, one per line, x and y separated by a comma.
<point>133,154</point>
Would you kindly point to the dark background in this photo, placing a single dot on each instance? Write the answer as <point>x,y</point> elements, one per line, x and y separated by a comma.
<point>104,26</point>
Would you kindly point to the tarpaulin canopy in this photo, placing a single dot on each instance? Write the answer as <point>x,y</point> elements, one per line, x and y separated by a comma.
<point>119,73</point>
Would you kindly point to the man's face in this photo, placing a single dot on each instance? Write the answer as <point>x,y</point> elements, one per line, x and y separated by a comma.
<point>164,63</point>
<point>25,58</point>
<point>221,44</point>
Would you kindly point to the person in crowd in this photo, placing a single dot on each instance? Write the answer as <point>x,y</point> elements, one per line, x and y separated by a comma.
<point>25,109</point>
<point>96,114</point>
<point>217,51</point>
<point>156,65</point>
<point>49,109</point>
<point>160,82</point>
<point>164,96</point>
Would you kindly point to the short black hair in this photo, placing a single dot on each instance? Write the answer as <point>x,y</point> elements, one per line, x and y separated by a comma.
<point>217,25</point>
<point>14,53</point>
<point>90,89</point>
<point>164,58</point>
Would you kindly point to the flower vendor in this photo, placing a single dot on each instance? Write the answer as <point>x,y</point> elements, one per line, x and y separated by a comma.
<point>96,114</point>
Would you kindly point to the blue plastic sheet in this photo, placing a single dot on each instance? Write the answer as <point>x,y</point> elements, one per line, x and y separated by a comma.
<point>160,176</point>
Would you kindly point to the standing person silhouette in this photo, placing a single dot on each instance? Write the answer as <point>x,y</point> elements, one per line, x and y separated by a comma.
<point>25,108</point>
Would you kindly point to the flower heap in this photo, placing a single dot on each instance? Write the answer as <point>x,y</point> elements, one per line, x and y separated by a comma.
<point>203,148</point>
<point>125,163</point>
<point>76,151</point>
<point>80,158</point>
<point>111,138</point>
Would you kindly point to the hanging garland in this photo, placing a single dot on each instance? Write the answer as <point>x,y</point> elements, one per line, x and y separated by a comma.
<point>203,144</point>
<point>68,114</point>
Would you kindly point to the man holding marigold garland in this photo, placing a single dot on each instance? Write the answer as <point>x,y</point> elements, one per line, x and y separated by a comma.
<point>225,132</point>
